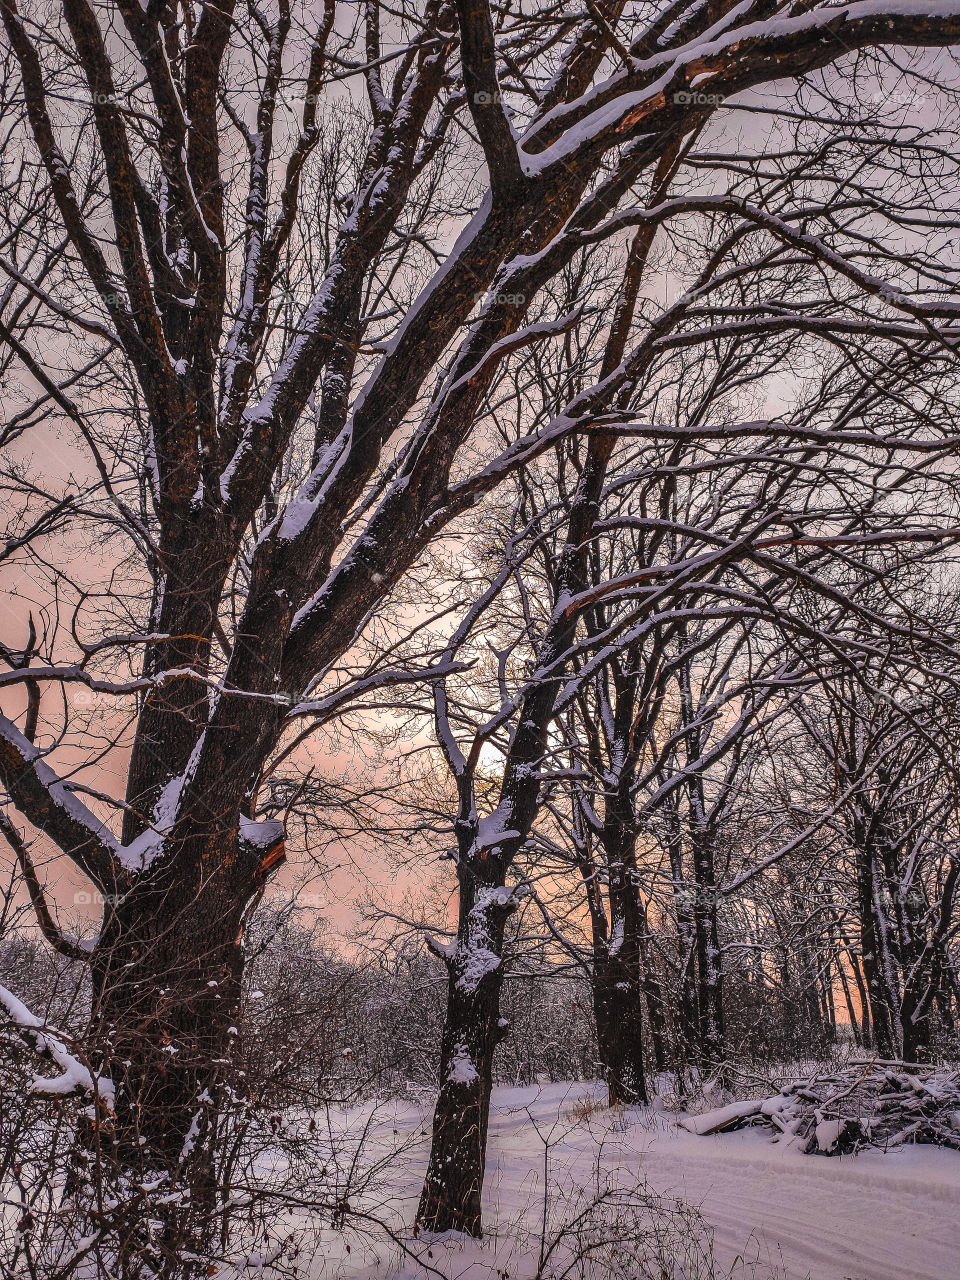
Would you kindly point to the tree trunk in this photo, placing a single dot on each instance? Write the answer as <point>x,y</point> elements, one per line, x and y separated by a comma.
<point>450,1200</point>
<point>688,1029</point>
<point>709,960</point>
<point>618,984</point>
<point>945,993</point>
<point>828,1014</point>
<point>167,973</point>
<point>856,967</point>
<point>848,1001</point>
<point>618,1005</point>
<point>653,995</point>
<point>881,1013</point>
<point>842,952</point>
<point>915,1024</point>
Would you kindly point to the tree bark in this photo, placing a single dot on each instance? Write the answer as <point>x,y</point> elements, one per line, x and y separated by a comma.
<point>451,1197</point>
<point>653,995</point>
<point>167,973</point>
<point>618,1005</point>
<point>709,960</point>
<point>881,1013</point>
<point>618,982</point>
<point>688,1027</point>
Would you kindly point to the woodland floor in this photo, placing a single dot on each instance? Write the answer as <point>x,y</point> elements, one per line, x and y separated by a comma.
<point>775,1214</point>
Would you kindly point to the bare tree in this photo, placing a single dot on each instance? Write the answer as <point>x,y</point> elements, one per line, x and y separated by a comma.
<point>886,737</point>
<point>279,395</point>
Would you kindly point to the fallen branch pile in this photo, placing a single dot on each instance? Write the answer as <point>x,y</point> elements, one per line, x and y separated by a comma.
<point>879,1103</point>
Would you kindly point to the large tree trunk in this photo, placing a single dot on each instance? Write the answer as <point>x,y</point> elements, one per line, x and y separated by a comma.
<point>617,977</point>
<point>653,995</point>
<point>618,1004</point>
<point>451,1195</point>
<point>167,973</point>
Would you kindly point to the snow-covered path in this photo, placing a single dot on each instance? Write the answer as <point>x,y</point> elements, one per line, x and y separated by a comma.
<point>877,1216</point>
<point>872,1217</point>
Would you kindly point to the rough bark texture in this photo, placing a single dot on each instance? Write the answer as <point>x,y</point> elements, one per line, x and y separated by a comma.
<point>451,1197</point>
<point>617,974</point>
<point>618,1005</point>
<point>654,998</point>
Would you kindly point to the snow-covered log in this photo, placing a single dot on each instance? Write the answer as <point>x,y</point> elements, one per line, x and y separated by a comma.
<point>878,1103</point>
<point>729,1117</point>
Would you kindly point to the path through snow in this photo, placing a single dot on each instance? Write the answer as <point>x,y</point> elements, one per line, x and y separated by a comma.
<point>870,1217</point>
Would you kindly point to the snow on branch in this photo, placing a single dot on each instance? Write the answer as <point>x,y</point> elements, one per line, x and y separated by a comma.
<point>74,1075</point>
<point>640,98</point>
<point>517,341</point>
<point>53,808</point>
<point>324,708</point>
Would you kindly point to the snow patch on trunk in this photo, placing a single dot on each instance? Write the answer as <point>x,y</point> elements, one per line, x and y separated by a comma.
<point>462,1070</point>
<point>262,835</point>
<point>475,957</point>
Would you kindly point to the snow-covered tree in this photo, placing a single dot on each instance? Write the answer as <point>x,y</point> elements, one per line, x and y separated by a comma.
<point>263,265</point>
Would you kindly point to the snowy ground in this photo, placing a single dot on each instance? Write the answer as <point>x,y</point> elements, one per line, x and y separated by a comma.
<point>774,1212</point>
